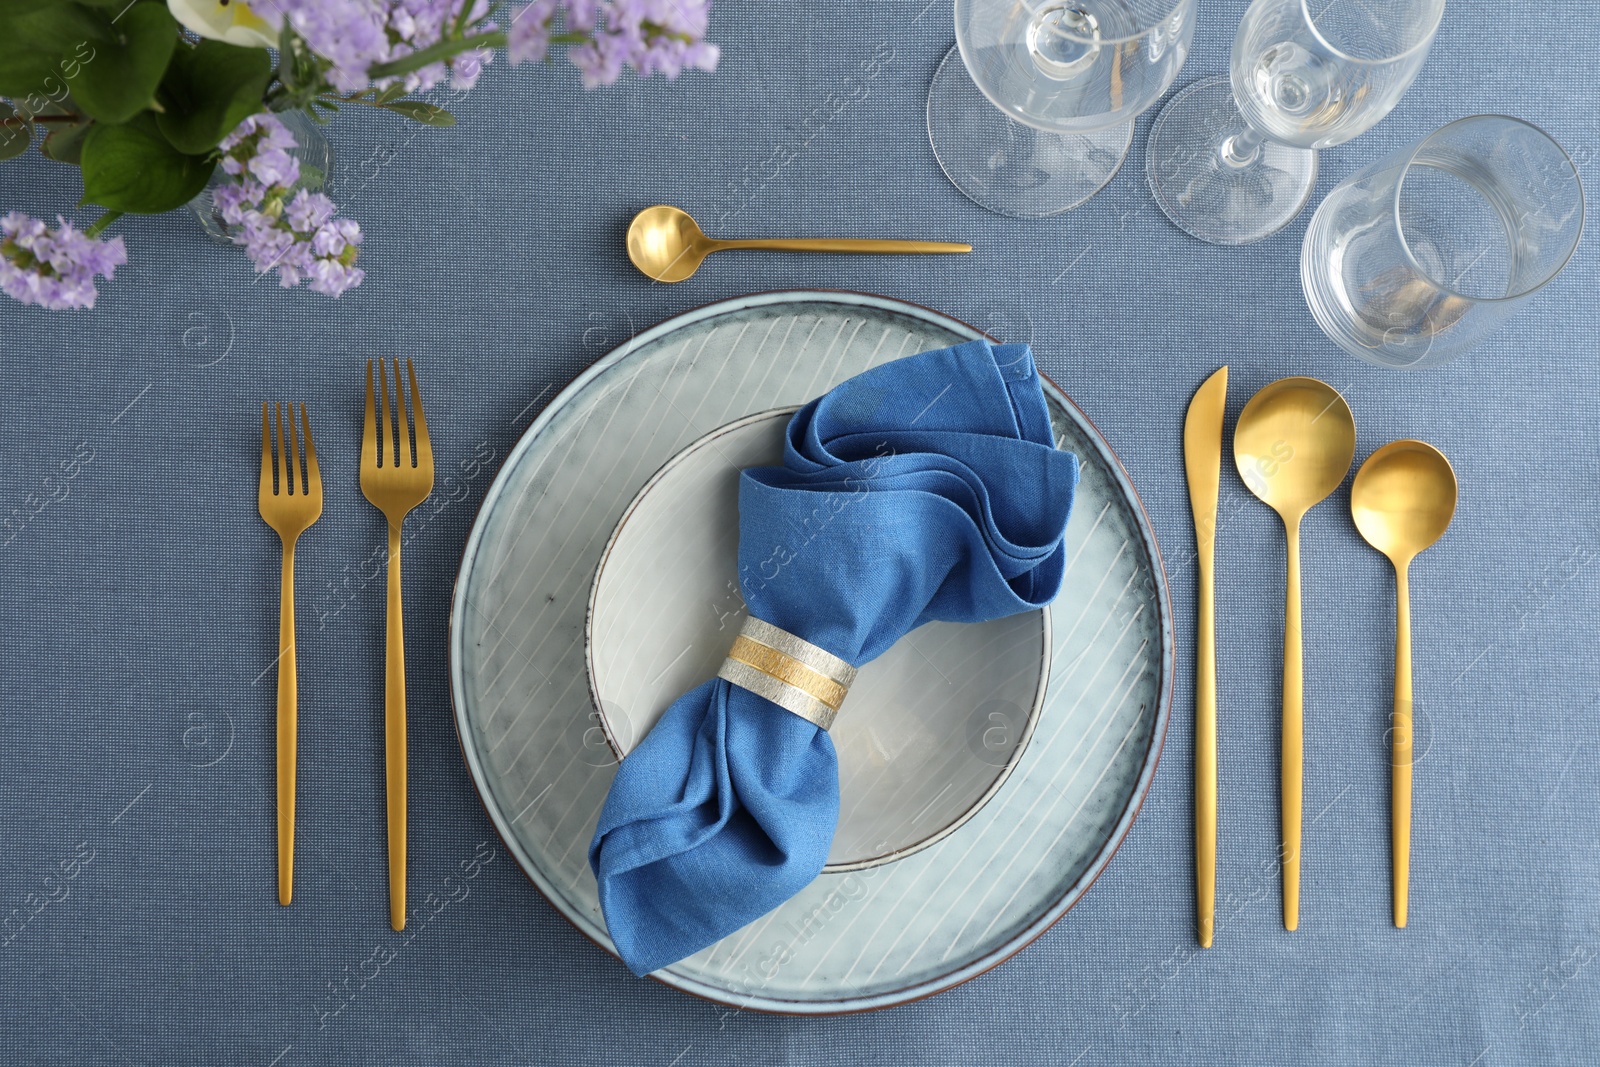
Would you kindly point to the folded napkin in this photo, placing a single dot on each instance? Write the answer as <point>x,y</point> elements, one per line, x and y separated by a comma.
<point>927,488</point>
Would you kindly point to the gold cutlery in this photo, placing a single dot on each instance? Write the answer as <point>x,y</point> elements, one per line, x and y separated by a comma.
<point>1402,500</point>
<point>395,477</point>
<point>667,244</point>
<point>290,500</point>
<point>1202,460</point>
<point>1293,444</point>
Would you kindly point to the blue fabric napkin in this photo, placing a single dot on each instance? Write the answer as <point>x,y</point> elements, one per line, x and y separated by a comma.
<point>927,488</point>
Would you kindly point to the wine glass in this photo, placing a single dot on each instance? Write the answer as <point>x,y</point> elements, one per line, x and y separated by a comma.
<point>1418,258</point>
<point>1036,112</point>
<point>1232,159</point>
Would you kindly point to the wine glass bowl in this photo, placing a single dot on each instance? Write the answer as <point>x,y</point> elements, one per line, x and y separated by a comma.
<point>1314,78</point>
<point>1421,256</point>
<point>1232,159</point>
<point>1032,112</point>
<point>1073,66</point>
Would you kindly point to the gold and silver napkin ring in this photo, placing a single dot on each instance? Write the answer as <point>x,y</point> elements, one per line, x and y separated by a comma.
<point>792,673</point>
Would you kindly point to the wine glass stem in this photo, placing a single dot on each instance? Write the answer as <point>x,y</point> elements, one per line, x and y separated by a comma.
<point>1242,149</point>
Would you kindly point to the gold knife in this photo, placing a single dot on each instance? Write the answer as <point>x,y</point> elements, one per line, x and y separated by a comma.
<point>1202,460</point>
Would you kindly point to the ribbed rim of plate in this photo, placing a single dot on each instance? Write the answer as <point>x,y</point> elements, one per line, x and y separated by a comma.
<point>1074,893</point>
<point>1040,694</point>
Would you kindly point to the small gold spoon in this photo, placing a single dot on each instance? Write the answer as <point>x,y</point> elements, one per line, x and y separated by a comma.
<point>1402,500</point>
<point>1293,444</point>
<point>666,244</point>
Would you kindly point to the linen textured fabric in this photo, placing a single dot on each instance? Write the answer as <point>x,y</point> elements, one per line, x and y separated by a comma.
<point>926,488</point>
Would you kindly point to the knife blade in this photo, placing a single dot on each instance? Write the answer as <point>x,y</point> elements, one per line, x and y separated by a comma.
<point>1202,461</point>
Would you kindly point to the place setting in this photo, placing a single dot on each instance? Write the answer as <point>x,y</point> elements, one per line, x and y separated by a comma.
<point>1002,760</point>
<point>813,651</point>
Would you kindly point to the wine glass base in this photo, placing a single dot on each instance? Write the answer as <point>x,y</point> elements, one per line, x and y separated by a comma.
<point>1210,196</point>
<point>1010,168</point>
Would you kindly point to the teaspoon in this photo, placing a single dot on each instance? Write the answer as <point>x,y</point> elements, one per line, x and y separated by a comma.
<point>1402,500</point>
<point>667,244</point>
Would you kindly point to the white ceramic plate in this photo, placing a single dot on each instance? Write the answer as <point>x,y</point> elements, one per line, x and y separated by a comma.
<point>851,940</point>
<point>666,606</point>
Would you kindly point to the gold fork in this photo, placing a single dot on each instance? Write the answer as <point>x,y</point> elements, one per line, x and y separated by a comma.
<point>395,478</point>
<point>290,501</point>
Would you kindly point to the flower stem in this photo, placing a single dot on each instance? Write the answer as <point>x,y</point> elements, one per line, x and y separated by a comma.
<point>99,225</point>
<point>436,53</point>
<point>18,120</point>
<point>466,12</point>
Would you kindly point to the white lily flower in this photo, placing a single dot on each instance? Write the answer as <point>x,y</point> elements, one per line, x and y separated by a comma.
<point>229,21</point>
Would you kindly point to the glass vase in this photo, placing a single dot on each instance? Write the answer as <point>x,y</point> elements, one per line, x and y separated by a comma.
<point>316,168</point>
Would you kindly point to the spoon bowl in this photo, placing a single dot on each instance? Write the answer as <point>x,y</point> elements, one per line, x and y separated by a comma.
<point>666,244</point>
<point>1293,444</point>
<point>1403,499</point>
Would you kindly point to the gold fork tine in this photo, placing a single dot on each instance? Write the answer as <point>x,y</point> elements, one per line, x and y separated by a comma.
<point>387,427</point>
<point>402,420</point>
<point>284,485</point>
<point>297,454</point>
<point>266,452</point>
<point>313,472</point>
<point>369,427</point>
<point>418,419</point>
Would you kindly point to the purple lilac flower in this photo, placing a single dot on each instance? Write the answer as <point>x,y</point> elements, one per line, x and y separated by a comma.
<point>234,199</point>
<point>298,236</point>
<point>308,211</point>
<point>646,36</point>
<point>332,277</point>
<point>528,40</point>
<point>355,35</point>
<point>54,269</point>
<point>274,166</point>
<point>334,237</point>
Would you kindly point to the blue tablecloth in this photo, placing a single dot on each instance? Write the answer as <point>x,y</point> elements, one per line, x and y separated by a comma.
<point>138,595</point>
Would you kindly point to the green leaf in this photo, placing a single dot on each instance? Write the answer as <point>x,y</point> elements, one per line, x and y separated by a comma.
<point>133,168</point>
<point>64,144</point>
<point>130,56</point>
<point>419,111</point>
<point>42,47</point>
<point>16,135</point>
<point>208,90</point>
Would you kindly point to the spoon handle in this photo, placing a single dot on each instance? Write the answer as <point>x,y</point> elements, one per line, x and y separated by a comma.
<point>863,245</point>
<point>1293,734</point>
<point>1400,825</point>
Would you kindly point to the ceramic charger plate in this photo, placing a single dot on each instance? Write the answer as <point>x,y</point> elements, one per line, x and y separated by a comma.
<point>854,939</point>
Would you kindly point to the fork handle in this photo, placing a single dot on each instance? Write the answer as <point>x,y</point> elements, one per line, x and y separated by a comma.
<point>288,727</point>
<point>395,737</point>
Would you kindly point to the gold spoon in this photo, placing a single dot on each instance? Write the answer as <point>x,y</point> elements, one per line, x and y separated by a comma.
<point>666,244</point>
<point>1293,444</point>
<point>1402,500</point>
